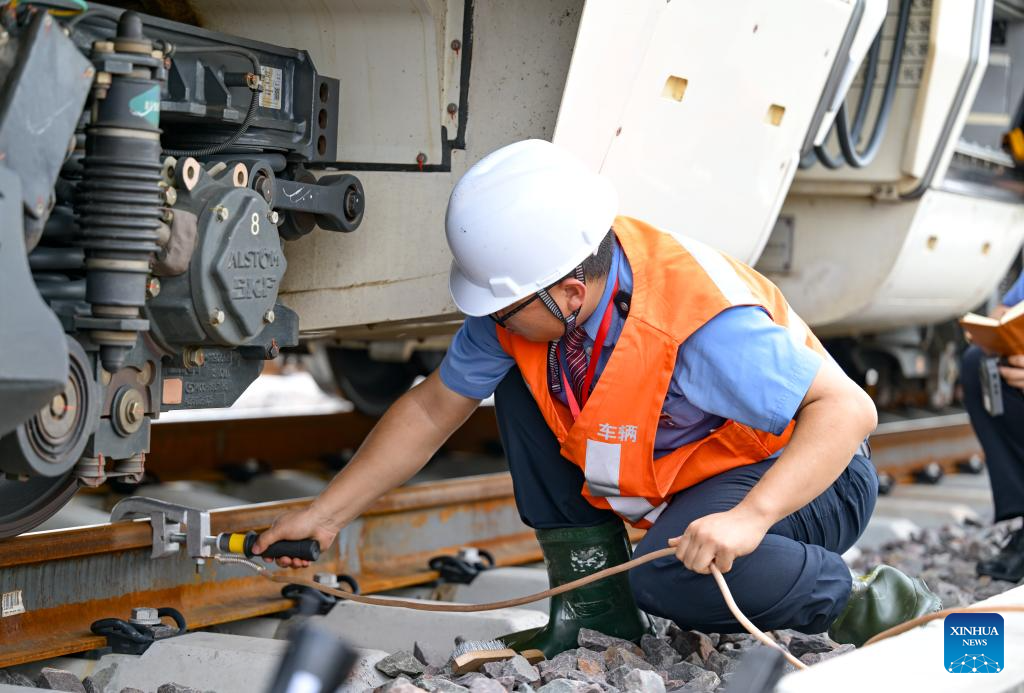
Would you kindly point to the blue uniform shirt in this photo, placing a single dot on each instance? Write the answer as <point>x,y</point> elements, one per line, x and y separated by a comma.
<point>739,365</point>
<point>1016,293</point>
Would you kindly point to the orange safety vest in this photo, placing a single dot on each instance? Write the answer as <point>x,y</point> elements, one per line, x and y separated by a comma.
<point>679,284</point>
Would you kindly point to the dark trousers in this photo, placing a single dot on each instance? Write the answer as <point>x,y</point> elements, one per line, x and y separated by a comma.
<point>794,579</point>
<point>1002,437</point>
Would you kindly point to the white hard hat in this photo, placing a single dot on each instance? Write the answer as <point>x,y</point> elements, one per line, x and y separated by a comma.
<point>521,219</point>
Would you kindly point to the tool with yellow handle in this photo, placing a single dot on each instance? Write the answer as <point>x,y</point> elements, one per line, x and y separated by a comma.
<point>241,544</point>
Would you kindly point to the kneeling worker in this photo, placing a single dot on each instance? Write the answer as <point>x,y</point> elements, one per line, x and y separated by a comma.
<point>706,413</point>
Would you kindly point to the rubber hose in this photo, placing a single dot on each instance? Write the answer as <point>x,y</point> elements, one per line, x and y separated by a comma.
<point>822,154</point>
<point>853,157</point>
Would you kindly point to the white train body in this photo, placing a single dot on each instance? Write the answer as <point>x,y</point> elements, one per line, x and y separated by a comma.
<point>698,112</point>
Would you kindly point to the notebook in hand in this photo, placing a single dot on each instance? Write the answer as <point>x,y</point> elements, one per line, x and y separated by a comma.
<point>1004,336</point>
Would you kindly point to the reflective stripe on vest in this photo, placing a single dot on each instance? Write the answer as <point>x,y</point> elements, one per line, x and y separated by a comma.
<point>601,470</point>
<point>679,284</point>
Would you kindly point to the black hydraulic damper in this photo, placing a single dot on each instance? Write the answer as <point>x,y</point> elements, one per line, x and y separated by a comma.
<point>119,198</point>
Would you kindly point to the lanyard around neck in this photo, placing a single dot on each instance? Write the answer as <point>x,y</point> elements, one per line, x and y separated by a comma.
<point>576,407</point>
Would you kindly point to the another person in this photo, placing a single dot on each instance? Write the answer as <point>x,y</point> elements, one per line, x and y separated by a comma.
<point>1002,439</point>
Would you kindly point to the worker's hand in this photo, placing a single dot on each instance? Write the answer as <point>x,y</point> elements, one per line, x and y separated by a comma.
<point>1013,374</point>
<point>720,539</point>
<point>297,524</point>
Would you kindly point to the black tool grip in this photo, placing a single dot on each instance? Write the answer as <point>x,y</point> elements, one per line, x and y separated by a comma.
<point>304,549</point>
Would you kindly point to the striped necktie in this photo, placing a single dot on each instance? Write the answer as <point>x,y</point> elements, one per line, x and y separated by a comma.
<point>576,361</point>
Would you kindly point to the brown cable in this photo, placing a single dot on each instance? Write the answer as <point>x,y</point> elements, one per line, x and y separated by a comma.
<point>936,615</point>
<point>469,608</point>
<point>554,591</point>
<point>761,636</point>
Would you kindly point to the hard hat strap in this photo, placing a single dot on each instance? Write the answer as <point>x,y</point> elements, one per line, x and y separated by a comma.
<point>568,322</point>
<point>554,371</point>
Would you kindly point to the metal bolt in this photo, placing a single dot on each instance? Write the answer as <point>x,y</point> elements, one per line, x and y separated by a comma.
<point>4,37</point>
<point>269,316</point>
<point>133,412</point>
<point>456,45</point>
<point>152,287</point>
<point>129,412</point>
<point>327,580</point>
<point>193,357</point>
<point>216,317</point>
<point>221,212</point>
<point>453,109</point>
<point>145,616</point>
<point>166,216</point>
<point>170,196</point>
<point>469,554</point>
<point>40,208</point>
<point>59,405</point>
<point>274,217</point>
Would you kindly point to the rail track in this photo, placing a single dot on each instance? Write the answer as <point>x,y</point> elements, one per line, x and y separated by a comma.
<point>66,579</point>
<point>904,447</point>
<point>56,583</point>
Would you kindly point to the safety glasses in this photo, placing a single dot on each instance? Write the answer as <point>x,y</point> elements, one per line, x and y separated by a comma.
<point>502,320</point>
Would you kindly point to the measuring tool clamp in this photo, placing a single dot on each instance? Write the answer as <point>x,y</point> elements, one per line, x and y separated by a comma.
<point>176,524</point>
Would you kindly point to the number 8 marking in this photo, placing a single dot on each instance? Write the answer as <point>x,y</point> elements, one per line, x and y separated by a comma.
<point>255,224</point>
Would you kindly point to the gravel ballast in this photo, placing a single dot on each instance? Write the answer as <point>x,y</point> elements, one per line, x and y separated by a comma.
<point>684,661</point>
<point>673,660</point>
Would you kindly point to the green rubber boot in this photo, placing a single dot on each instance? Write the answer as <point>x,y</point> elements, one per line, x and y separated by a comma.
<point>883,598</point>
<point>606,605</point>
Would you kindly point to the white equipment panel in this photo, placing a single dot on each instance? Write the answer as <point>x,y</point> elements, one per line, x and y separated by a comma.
<point>697,110</point>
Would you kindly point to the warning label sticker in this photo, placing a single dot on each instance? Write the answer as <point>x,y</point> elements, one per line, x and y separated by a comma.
<point>270,79</point>
<point>11,604</point>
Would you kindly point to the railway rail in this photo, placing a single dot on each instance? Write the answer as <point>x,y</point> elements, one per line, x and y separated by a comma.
<point>56,583</point>
<point>66,579</point>
<point>903,447</point>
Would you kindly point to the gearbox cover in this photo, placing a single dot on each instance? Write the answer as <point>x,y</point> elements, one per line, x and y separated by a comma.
<point>237,267</point>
